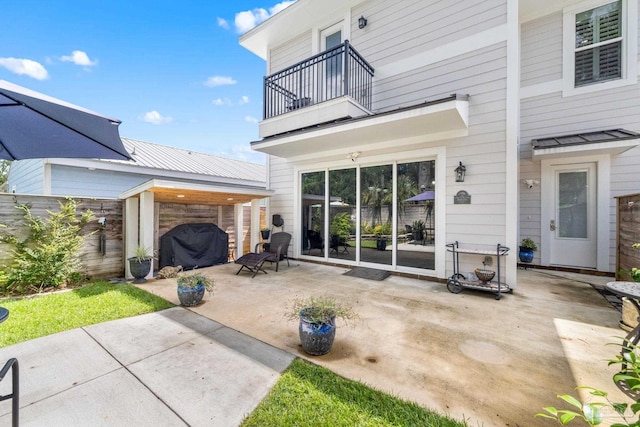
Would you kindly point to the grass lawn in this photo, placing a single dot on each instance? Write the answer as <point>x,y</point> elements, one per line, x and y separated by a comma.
<point>309,395</point>
<point>98,302</point>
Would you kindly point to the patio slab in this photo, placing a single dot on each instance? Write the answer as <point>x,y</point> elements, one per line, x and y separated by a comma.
<point>172,367</point>
<point>494,363</point>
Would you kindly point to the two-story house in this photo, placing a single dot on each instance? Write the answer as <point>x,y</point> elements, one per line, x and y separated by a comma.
<point>392,113</point>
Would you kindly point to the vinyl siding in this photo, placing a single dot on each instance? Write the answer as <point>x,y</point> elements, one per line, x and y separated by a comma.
<point>81,182</point>
<point>290,53</point>
<point>541,50</point>
<point>400,29</point>
<point>27,176</point>
<point>552,114</point>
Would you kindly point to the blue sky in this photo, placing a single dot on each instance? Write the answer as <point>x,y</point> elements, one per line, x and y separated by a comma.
<point>171,71</point>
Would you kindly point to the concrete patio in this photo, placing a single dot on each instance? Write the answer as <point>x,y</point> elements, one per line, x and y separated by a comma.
<point>494,363</point>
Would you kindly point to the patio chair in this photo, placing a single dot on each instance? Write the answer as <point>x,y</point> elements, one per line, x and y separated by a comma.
<point>339,245</point>
<point>314,241</point>
<point>274,251</point>
<point>278,247</point>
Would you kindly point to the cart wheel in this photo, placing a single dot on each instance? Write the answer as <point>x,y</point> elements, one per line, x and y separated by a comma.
<point>454,286</point>
<point>458,276</point>
<point>498,296</point>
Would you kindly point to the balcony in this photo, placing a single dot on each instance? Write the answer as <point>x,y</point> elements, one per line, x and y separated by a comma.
<point>298,96</point>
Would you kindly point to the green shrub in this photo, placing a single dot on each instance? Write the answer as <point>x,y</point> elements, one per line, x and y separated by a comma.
<point>49,255</point>
<point>341,225</point>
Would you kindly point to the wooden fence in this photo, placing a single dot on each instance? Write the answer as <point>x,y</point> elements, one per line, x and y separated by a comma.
<point>109,262</point>
<point>628,233</point>
<point>97,263</point>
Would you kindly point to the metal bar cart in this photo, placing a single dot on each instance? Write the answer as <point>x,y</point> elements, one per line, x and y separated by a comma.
<point>458,281</point>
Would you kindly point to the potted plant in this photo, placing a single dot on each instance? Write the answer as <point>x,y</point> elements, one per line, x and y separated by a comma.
<point>140,264</point>
<point>317,326</point>
<point>527,248</point>
<point>382,231</point>
<point>417,230</point>
<point>191,288</point>
<point>265,232</point>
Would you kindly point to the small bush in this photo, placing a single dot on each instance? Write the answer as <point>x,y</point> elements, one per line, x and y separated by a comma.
<point>49,255</point>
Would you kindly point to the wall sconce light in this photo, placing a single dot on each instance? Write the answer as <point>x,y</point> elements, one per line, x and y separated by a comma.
<point>362,22</point>
<point>460,171</point>
<point>530,182</point>
<point>353,156</point>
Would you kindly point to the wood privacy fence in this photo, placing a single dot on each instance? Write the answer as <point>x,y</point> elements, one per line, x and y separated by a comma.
<point>628,233</point>
<point>97,262</point>
<point>106,259</point>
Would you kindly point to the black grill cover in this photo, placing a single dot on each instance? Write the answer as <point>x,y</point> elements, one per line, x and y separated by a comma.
<point>194,245</point>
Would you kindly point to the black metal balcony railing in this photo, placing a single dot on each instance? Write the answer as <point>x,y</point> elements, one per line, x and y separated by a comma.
<point>331,74</point>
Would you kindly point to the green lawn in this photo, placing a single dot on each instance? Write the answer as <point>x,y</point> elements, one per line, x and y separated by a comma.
<point>310,396</point>
<point>38,316</point>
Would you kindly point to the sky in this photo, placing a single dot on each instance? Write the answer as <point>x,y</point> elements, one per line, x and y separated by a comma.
<point>172,71</point>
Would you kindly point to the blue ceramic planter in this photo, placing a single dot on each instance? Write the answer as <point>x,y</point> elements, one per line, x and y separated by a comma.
<point>190,296</point>
<point>317,338</point>
<point>525,255</point>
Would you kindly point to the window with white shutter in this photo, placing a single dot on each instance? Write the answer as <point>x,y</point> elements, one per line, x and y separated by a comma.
<point>600,45</point>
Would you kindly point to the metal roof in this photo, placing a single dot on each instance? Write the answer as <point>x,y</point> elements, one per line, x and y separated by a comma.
<point>163,157</point>
<point>611,135</point>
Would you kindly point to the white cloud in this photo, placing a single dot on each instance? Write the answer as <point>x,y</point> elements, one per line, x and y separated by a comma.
<point>79,57</point>
<point>250,119</point>
<point>281,6</point>
<point>246,20</point>
<point>219,81</point>
<point>156,118</point>
<point>220,101</point>
<point>243,100</point>
<point>25,66</point>
<point>223,23</point>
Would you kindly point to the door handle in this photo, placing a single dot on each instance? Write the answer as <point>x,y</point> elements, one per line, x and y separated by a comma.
<point>552,225</point>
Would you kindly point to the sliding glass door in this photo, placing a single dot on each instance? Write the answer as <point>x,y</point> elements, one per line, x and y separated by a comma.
<point>401,195</point>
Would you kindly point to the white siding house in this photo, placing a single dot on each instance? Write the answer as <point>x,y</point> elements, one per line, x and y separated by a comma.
<point>370,102</point>
<point>389,112</point>
<point>579,79</point>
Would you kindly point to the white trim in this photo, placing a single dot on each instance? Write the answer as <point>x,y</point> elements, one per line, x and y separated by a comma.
<point>553,86</point>
<point>46,178</point>
<point>511,142</point>
<point>446,51</point>
<point>115,166</point>
<point>629,43</point>
<point>146,224</point>
<point>541,89</point>
<point>156,183</point>
<point>603,194</point>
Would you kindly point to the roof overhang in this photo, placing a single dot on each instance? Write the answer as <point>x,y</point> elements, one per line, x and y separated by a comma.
<point>611,142</point>
<point>295,19</point>
<point>441,117</point>
<point>196,194</point>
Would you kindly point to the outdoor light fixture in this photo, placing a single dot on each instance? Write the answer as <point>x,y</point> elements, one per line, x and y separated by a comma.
<point>362,22</point>
<point>353,156</point>
<point>460,171</point>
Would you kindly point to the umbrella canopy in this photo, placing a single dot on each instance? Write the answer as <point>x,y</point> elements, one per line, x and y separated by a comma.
<point>427,195</point>
<point>33,125</point>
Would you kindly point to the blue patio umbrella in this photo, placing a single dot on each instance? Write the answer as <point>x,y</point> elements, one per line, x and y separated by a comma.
<point>34,125</point>
<point>426,195</point>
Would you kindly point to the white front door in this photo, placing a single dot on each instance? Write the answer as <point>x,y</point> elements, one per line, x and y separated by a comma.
<point>572,225</point>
